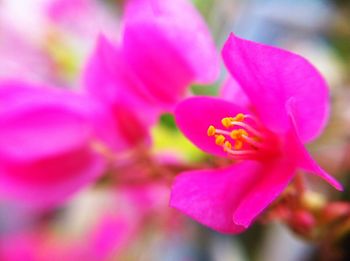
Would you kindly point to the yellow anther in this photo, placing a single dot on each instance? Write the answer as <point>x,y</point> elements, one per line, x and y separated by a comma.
<point>227,146</point>
<point>211,130</point>
<point>238,145</point>
<point>242,132</point>
<point>219,140</point>
<point>238,134</point>
<point>226,122</point>
<point>239,117</point>
<point>234,134</point>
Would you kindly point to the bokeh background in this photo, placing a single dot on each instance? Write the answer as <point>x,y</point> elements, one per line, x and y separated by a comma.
<point>46,48</point>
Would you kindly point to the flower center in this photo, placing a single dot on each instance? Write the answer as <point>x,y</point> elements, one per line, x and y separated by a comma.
<point>242,138</point>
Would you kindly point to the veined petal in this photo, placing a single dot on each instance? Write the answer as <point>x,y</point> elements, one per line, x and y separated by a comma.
<point>194,115</point>
<point>270,77</point>
<point>228,200</point>
<point>168,45</point>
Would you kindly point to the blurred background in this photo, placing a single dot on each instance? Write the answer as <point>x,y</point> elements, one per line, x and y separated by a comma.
<point>44,45</point>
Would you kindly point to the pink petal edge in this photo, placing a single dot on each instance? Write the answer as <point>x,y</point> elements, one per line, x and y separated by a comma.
<point>228,200</point>
<point>270,76</point>
<point>305,160</point>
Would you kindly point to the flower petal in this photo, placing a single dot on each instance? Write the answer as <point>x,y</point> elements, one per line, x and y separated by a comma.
<point>194,115</point>
<point>270,76</point>
<point>45,142</point>
<point>231,91</point>
<point>228,200</point>
<point>108,78</point>
<point>49,181</point>
<point>270,182</point>
<point>304,159</point>
<point>211,196</point>
<point>58,120</point>
<point>168,45</point>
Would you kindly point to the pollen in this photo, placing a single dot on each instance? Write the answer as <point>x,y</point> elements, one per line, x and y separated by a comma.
<point>226,122</point>
<point>239,117</point>
<point>211,130</point>
<point>234,134</point>
<point>219,140</point>
<point>227,145</point>
<point>242,132</point>
<point>238,134</point>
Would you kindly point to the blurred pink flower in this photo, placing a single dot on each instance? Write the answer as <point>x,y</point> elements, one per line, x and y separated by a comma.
<point>47,139</point>
<point>120,222</point>
<point>105,241</point>
<point>165,47</point>
<point>286,105</point>
<point>107,78</point>
<point>168,46</point>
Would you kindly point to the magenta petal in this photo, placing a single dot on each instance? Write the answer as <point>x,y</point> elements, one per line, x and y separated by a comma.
<point>26,112</point>
<point>46,138</point>
<point>194,115</point>
<point>270,77</point>
<point>211,196</point>
<point>309,164</point>
<point>304,159</point>
<point>231,91</point>
<point>228,200</point>
<point>50,181</point>
<point>168,45</point>
<point>108,78</point>
<point>269,183</point>
<point>109,237</point>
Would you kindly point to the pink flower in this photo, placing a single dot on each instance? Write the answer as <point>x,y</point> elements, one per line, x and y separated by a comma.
<point>107,78</point>
<point>285,104</point>
<point>47,139</point>
<point>165,47</point>
<point>168,46</point>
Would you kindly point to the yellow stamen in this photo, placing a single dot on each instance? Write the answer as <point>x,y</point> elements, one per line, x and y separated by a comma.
<point>211,130</point>
<point>234,134</point>
<point>239,117</point>
<point>227,146</point>
<point>226,122</point>
<point>242,132</point>
<point>238,134</point>
<point>219,140</point>
<point>243,140</point>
